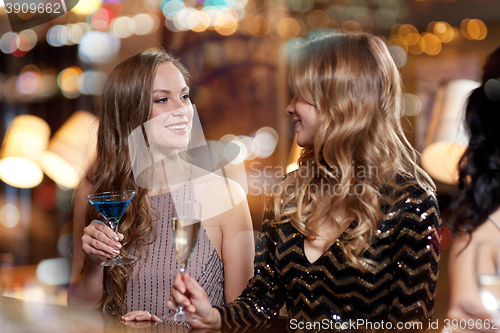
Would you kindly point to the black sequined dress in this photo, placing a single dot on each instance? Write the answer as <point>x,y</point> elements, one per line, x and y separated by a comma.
<point>330,295</point>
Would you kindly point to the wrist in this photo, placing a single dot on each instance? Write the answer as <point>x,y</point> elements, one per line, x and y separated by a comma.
<point>214,320</point>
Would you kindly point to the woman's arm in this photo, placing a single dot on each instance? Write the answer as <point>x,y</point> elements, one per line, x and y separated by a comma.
<point>417,247</point>
<point>238,249</point>
<point>256,307</point>
<point>92,244</point>
<point>464,292</point>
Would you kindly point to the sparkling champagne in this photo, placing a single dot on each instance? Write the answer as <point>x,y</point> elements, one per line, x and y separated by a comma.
<point>185,238</point>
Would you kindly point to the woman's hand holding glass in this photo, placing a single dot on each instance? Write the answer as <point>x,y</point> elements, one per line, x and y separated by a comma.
<point>99,242</point>
<point>188,293</point>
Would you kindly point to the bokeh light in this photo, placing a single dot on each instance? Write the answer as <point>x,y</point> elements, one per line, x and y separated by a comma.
<point>28,82</point>
<point>92,82</point>
<point>54,272</point>
<point>9,215</point>
<point>316,18</point>
<point>258,26</point>
<point>442,30</point>
<point>58,35</point>
<point>85,7</point>
<point>123,27</point>
<point>431,44</point>
<point>399,55</point>
<point>98,47</point>
<point>68,81</point>
<point>101,19</point>
<point>473,29</point>
<point>288,28</point>
<point>264,142</point>
<point>6,42</point>
<point>26,40</point>
<point>411,104</point>
<point>145,24</point>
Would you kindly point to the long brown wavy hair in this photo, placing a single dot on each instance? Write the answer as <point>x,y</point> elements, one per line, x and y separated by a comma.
<point>126,104</point>
<point>359,145</point>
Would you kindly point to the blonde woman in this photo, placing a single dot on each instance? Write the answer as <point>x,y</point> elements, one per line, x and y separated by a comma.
<point>150,91</point>
<point>352,240</point>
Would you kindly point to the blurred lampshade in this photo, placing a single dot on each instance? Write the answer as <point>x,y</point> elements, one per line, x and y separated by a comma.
<point>294,156</point>
<point>71,150</point>
<point>24,143</point>
<point>446,139</point>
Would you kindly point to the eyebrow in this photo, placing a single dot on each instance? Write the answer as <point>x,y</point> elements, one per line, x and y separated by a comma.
<point>186,88</point>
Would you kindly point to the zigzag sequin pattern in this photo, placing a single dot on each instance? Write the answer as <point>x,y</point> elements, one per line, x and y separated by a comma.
<point>400,289</point>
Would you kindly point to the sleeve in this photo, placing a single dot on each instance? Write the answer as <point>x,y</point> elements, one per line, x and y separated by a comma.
<point>416,254</point>
<point>264,296</point>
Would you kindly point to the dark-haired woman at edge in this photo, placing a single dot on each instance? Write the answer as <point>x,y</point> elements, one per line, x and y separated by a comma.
<point>351,243</point>
<point>476,208</point>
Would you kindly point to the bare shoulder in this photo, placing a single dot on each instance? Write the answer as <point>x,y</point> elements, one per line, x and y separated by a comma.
<point>217,194</point>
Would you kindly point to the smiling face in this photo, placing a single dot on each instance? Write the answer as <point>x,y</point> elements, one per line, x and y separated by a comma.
<point>172,111</point>
<point>305,120</point>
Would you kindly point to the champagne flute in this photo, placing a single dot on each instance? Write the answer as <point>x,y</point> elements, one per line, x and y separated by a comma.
<point>112,205</point>
<point>488,275</point>
<point>186,220</point>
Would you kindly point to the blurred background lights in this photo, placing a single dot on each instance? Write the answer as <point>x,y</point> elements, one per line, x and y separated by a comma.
<point>443,30</point>
<point>71,149</point>
<point>68,81</point>
<point>91,82</point>
<point>28,82</point>
<point>25,141</point>
<point>473,29</point>
<point>411,104</point>
<point>101,19</point>
<point>264,142</point>
<point>54,271</point>
<point>247,141</point>
<point>58,35</point>
<point>6,42</point>
<point>242,152</point>
<point>86,7</point>
<point>171,8</point>
<point>145,24</point>
<point>26,40</point>
<point>98,47</point>
<point>288,28</point>
<point>123,27</point>
<point>398,54</point>
<point>431,44</point>
<point>9,215</point>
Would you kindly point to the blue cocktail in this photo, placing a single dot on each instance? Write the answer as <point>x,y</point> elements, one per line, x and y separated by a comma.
<point>112,205</point>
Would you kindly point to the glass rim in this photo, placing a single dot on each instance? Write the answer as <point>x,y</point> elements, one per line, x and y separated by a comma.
<point>109,194</point>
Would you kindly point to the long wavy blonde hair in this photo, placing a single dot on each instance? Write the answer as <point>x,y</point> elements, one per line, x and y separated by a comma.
<point>359,145</point>
<point>126,104</point>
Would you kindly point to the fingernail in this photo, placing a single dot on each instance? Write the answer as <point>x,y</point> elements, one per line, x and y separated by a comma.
<point>115,238</point>
<point>137,318</point>
<point>156,318</point>
<point>118,246</point>
<point>116,252</point>
<point>125,317</point>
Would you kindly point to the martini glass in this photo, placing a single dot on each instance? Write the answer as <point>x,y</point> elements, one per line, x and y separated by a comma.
<point>112,205</point>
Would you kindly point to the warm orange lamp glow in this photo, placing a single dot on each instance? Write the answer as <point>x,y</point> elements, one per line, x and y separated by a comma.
<point>25,142</point>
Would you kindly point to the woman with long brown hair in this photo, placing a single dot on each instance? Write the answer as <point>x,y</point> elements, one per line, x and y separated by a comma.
<point>149,92</point>
<point>351,239</point>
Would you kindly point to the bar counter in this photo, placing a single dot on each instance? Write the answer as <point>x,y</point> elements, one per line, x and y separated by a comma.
<point>21,316</point>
